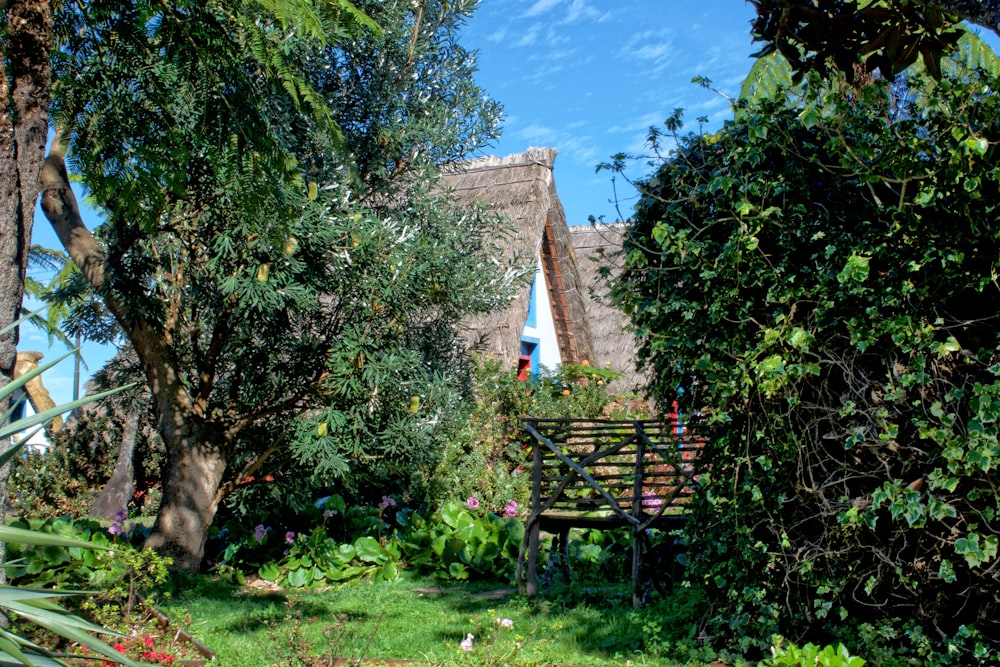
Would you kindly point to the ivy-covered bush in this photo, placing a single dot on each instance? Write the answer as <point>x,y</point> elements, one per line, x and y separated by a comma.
<point>817,282</point>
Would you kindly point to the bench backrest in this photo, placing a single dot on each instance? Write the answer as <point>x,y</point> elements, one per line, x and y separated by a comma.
<point>637,468</point>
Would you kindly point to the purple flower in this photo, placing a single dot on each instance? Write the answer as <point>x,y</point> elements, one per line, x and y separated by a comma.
<point>510,510</point>
<point>290,537</point>
<point>115,529</point>
<point>387,501</point>
<point>472,503</point>
<point>259,533</point>
<point>466,643</point>
<point>121,515</point>
<point>328,513</point>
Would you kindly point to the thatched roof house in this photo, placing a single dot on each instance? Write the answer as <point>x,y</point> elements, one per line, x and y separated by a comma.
<point>521,189</point>
<point>568,289</point>
<point>599,246</point>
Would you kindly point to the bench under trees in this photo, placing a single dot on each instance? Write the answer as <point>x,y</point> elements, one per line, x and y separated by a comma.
<point>606,474</point>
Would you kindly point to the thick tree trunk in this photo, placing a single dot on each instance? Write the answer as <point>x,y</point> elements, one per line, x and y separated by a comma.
<point>24,92</point>
<point>118,491</point>
<point>196,461</point>
<point>191,481</point>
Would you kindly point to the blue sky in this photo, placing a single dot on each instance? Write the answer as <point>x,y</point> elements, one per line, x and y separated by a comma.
<point>589,77</point>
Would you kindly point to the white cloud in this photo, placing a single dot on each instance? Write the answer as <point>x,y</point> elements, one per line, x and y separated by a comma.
<point>497,36</point>
<point>654,51</point>
<point>582,10</point>
<point>530,36</point>
<point>541,6</point>
<point>579,148</point>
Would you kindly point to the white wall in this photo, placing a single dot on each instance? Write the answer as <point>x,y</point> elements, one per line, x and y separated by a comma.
<point>545,328</point>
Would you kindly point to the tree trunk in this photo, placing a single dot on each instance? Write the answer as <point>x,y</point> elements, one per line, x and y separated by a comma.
<point>24,92</point>
<point>196,461</point>
<point>118,491</point>
<point>193,473</point>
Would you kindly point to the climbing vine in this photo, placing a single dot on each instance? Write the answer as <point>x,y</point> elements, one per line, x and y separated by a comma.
<point>818,281</point>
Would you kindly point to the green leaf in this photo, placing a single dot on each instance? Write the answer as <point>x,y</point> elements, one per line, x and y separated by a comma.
<point>269,571</point>
<point>855,270</point>
<point>368,550</point>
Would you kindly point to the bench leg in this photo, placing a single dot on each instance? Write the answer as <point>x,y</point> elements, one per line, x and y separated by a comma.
<point>637,596</point>
<point>531,586</point>
<point>564,551</point>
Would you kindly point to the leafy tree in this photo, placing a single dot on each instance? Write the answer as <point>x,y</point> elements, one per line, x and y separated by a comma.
<point>888,35</point>
<point>815,285</point>
<point>300,310</point>
<point>224,40</point>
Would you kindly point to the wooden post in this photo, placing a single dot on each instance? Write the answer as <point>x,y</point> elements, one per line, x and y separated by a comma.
<point>536,504</point>
<point>637,497</point>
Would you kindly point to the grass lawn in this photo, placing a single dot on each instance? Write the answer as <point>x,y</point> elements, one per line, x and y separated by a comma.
<point>415,619</point>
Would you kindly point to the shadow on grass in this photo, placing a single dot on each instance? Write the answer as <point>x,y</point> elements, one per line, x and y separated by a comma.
<point>425,618</point>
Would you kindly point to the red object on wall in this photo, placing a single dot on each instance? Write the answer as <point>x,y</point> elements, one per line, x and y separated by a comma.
<point>523,367</point>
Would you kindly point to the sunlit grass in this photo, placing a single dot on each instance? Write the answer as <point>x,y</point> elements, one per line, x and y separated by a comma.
<point>409,619</point>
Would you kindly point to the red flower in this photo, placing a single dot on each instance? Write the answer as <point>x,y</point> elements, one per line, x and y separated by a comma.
<point>119,647</point>
<point>148,641</point>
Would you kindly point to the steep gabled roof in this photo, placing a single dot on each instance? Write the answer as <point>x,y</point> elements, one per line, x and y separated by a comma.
<point>600,246</point>
<point>521,189</point>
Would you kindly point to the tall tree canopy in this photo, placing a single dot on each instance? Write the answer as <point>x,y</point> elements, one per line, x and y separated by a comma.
<point>275,248</point>
<point>816,285</point>
<point>888,35</point>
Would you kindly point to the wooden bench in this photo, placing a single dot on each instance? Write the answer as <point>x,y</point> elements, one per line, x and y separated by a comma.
<point>606,474</point>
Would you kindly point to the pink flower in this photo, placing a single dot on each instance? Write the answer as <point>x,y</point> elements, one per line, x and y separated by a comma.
<point>510,510</point>
<point>290,537</point>
<point>466,643</point>
<point>505,623</point>
<point>472,503</point>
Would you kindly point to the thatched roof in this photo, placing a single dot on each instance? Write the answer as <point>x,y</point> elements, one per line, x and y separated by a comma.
<point>600,246</point>
<point>521,189</point>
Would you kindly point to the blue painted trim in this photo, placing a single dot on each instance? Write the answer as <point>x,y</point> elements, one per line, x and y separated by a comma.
<point>534,351</point>
<point>531,320</point>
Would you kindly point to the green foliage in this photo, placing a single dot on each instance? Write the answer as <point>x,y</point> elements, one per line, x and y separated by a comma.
<point>34,607</point>
<point>488,457</point>
<point>816,282</point>
<point>790,655</point>
<point>275,237</point>
<point>886,35</point>
<point>459,543</point>
<point>356,542</point>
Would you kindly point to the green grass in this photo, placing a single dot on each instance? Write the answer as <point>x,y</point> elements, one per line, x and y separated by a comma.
<point>418,619</point>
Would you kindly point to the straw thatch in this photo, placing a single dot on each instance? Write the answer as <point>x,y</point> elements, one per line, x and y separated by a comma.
<point>599,246</point>
<point>521,189</point>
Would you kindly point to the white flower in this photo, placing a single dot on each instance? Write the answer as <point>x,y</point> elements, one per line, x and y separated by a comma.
<point>505,623</point>
<point>466,643</point>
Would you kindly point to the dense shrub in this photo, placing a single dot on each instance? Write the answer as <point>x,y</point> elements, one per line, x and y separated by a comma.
<point>817,281</point>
